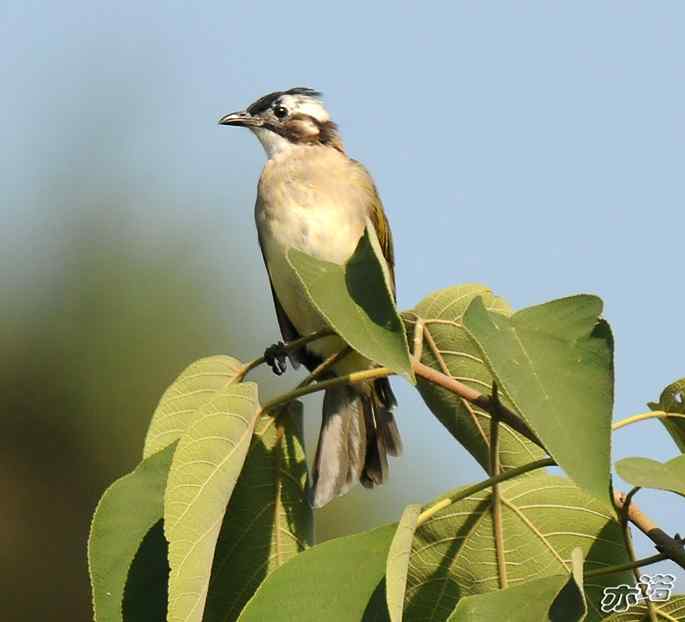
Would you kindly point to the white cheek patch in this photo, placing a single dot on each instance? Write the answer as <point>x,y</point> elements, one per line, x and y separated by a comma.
<point>305,105</point>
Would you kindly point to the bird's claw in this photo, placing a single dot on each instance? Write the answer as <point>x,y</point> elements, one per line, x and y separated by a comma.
<point>276,357</point>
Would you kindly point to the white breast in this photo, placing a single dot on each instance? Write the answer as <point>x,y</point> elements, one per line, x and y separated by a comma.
<point>307,201</point>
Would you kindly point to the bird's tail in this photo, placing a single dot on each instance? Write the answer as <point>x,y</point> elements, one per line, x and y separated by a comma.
<point>358,432</point>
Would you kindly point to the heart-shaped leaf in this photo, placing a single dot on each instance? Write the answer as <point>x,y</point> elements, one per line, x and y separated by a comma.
<point>356,301</point>
<point>555,364</point>
<point>268,520</point>
<point>331,581</point>
<point>195,386</point>
<point>648,473</point>
<point>446,346</point>
<point>544,518</point>
<point>127,511</point>
<point>205,468</point>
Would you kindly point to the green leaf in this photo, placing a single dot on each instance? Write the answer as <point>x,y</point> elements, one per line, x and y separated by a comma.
<point>204,470</point>
<point>558,598</point>
<point>671,611</point>
<point>332,581</point>
<point>178,408</point>
<point>398,562</point>
<point>554,362</point>
<point>146,595</point>
<point>648,473</point>
<point>544,519</point>
<point>356,301</point>
<point>672,400</point>
<point>447,347</point>
<point>127,510</point>
<point>268,520</point>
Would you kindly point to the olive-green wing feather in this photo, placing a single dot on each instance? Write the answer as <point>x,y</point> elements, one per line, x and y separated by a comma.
<point>379,220</point>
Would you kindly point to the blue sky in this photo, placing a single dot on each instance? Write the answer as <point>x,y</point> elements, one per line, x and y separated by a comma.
<point>535,147</point>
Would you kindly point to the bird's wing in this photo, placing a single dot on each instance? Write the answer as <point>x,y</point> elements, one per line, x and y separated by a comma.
<point>379,220</point>
<point>288,331</point>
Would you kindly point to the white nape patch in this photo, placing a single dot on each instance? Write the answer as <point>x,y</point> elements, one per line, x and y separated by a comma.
<point>273,143</point>
<point>304,104</point>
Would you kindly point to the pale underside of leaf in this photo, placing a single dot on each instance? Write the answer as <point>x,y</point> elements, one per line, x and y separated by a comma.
<point>544,519</point>
<point>671,611</point>
<point>206,466</point>
<point>397,565</point>
<point>180,403</point>
<point>267,521</point>
<point>648,473</point>
<point>672,400</point>
<point>447,347</point>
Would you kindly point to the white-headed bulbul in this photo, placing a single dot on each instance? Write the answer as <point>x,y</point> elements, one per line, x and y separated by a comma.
<point>313,197</point>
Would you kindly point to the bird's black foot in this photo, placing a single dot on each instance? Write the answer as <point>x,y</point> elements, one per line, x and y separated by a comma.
<point>276,357</point>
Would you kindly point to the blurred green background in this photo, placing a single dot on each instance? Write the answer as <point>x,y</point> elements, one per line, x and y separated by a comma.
<point>535,147</point>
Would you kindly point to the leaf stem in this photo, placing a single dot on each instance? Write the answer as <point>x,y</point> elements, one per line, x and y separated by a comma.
<point>325,366</point>
<point>646,561</point>
<point>654,414</point>
<point>471,490</point>
<point>475,397</point>
<point>496,500</point>
<point>353,378</point>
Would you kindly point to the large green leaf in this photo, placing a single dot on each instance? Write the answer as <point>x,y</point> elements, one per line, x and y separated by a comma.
<point>205,468</point>
<point>559,598</point>
<point>544,518</point>
<point>268,520</point>
<point>356,301</point>
<point>332,581</point>
<point>146,593</point>
<point>447,347</point>
<point>128,509</point>
<point>398,562</point>
<point>648,473</point>
<point>671,611</point>
<point>193,388</point>
<point>555,364</point>
<point>672,400</point>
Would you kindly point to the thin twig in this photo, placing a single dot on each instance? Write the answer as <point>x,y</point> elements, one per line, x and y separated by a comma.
<point>655,414</point>
<point>325,366</point>
<point>353,378</point>
<point>472,490</point>
<point>475,397</point>
<point>627,566</point>
<point>290,346</point>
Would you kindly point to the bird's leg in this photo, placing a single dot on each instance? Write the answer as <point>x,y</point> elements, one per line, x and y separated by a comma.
<point>276,357</point>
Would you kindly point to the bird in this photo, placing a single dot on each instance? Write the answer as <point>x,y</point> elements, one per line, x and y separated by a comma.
<point>313,197</point>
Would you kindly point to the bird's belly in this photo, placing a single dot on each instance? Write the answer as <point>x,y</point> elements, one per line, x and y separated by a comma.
<point>328,234</point>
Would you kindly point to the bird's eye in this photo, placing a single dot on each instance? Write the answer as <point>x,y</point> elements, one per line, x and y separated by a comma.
<point>280,111</point>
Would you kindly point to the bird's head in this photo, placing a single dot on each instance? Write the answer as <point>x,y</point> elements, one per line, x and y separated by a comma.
<point>285,119</point>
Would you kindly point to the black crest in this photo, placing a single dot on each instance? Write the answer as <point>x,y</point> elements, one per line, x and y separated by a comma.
<point>264,103</point>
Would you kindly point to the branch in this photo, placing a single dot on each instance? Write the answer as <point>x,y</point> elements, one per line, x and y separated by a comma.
<point>290,346</point>
<point>353,378</point>
<point>472,490</point>
<point>627,566</point>
<point>655,414</point>
<point>475,397</point>
<point>672,548</point>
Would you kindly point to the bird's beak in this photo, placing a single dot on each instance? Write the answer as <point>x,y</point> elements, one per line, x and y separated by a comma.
<point>241,119</point>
